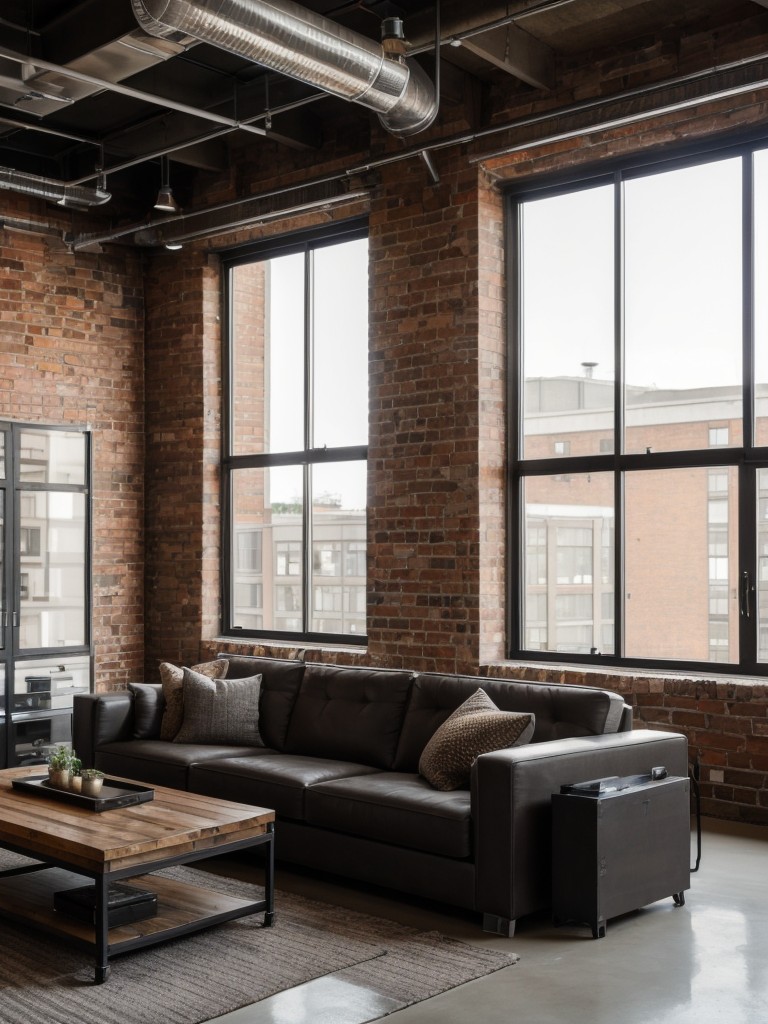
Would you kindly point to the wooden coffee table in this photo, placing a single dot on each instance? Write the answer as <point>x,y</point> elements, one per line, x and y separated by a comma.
<point>70,843</point>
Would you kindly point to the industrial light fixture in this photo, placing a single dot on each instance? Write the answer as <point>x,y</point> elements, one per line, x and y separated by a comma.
<point>173,246</point>
<point>165,200</point>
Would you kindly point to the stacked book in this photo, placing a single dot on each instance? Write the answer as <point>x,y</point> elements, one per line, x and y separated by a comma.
<point>125,903</point>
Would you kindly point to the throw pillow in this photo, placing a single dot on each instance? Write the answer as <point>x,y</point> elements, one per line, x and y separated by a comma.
<point>220,710</point>
<point>172,679</point>
<point>474,728</point>
<point>148,708</point>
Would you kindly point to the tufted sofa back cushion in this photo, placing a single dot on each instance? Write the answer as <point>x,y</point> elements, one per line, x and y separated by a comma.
<point>280,683</point>
<point>349,714</point>
<point>561,711</point>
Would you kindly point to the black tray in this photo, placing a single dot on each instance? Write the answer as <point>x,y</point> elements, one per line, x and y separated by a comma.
<point>114,793</point>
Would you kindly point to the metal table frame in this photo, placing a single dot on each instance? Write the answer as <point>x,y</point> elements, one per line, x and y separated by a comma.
<point>101,945</point>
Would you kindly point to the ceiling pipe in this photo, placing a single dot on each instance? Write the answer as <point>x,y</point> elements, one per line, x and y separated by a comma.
<point>126,90</point>
<point>160,226</point>
<point>55,191</point>
<point>293,41</point>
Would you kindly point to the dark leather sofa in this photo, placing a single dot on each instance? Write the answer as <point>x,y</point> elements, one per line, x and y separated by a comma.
<point>340,768</point>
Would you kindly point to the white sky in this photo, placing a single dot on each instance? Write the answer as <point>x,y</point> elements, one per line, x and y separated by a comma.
<point>683,278</point>
<point>340,392</point>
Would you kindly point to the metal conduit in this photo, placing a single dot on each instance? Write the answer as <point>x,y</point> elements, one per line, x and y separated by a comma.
<point>295,42</point>
<point>424,152</point>
<point>49,188</point>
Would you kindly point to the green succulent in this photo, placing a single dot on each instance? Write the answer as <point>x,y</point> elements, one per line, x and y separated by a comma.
<point>60,759</point>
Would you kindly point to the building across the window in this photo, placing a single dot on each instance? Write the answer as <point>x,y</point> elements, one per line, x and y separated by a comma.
<point>640,474</point>
<point>295,474</point>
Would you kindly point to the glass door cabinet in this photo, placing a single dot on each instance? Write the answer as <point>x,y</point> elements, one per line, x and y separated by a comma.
<point>45,603</point>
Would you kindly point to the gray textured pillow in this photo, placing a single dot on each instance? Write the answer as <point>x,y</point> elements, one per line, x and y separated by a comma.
<point>475,727</point>
<point>172,678</point>
<point>220,710</point>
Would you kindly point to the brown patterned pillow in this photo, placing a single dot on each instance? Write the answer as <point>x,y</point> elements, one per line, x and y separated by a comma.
<point>172,679</point>
<point>220,710</point>
<point>474,728</point>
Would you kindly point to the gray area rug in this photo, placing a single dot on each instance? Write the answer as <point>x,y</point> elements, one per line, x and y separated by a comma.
<point>194,979</point>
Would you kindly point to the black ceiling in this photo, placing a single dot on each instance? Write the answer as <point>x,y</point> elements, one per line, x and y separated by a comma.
<point>60,127</point>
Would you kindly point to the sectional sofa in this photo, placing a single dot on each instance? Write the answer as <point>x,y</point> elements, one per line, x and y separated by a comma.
<point>340,766</point>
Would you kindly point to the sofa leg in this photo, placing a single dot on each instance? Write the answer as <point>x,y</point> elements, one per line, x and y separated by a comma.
<point>498,925</point>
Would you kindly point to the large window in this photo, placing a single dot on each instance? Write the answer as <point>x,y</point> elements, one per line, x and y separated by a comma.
<point>295,467</point>
<point>639,445</point>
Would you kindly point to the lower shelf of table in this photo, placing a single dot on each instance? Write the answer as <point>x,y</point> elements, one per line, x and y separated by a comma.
<point>181,907</point>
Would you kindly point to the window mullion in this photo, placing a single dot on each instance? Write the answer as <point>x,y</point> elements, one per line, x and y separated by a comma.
<point>748,297</point>
<point>747,575</point>
<point>619,583</point>
<point>309,394</point>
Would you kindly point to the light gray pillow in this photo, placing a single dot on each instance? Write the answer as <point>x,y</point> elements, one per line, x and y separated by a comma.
<point>220,710</point>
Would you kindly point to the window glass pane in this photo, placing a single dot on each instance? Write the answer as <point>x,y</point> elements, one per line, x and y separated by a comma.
<point>762,564</point>
<point>2,566</point>
<point>340,339</point>
<point>569,563</point>
<point>338,546</point>
<point>683,308</point>
<point>761,295</point>
<point>52,569</point>
<point>681,564</point>
<point>267,309</point>
<point>567,344</point>
<point>267,541</point>
<point>52,457</point>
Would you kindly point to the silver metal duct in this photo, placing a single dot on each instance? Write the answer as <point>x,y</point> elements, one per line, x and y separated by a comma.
<point>48,188</point>
<point>303,45</point>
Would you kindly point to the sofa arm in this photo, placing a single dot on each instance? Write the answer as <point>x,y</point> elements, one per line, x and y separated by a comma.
<point>100,718</point>
<point>511,809</point>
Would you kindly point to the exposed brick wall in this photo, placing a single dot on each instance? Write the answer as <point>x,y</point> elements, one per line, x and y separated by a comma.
<point>423,488</point>
<point>183,444</point>
<point>437,456</point>
<point>71,337</point>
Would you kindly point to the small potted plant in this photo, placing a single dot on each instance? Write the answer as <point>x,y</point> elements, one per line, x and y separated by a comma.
<point>59,761</point>
<point>75,778</point>
<point>92,782</point>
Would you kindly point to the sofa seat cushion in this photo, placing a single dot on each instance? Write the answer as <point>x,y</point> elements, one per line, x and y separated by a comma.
<point>279,781</point>
<point>160,762</point>
<point>397,808</point>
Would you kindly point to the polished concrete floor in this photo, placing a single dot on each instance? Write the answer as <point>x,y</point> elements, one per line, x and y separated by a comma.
<point>704,963</point>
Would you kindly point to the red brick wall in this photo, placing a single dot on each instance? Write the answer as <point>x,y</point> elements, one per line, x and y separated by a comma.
<point>71,341</point>
<point>183,439</point>
<point>436,525</point>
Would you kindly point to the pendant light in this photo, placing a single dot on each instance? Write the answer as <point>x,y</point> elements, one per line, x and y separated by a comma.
<point>165,200</point>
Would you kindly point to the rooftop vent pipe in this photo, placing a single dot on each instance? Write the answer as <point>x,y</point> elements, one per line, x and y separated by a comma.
<point>296,42</point>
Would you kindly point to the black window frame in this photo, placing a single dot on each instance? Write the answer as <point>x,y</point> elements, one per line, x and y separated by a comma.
<point>748,458</point>
<point>306,458</point>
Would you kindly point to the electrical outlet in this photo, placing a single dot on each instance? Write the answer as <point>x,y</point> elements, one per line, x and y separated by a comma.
<point>716,775</point>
